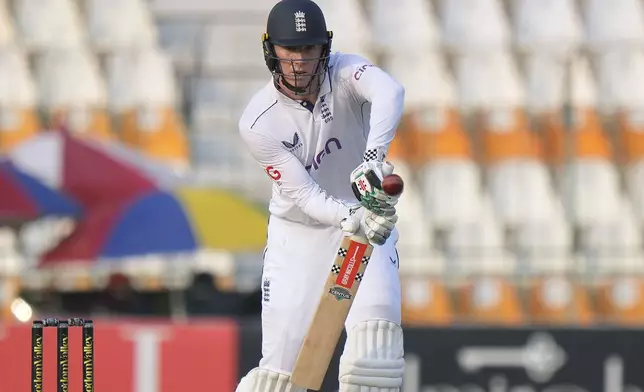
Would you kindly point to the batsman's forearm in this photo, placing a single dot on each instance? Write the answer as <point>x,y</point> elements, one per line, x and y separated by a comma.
<point>386,113</point>
<point>320,206</point>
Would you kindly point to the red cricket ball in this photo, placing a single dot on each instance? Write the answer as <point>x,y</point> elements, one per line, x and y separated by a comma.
<point>393,185</point>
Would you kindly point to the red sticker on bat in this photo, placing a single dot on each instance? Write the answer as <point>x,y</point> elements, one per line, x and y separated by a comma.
<point>351,264</point>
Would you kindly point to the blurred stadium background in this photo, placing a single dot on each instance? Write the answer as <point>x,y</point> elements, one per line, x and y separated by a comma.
<point>522,147</point>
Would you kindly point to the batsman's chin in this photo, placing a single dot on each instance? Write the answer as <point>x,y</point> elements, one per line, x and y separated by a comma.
<point>298,81</point>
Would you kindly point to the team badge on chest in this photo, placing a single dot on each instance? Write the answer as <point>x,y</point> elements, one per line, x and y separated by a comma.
<point>325,112</point>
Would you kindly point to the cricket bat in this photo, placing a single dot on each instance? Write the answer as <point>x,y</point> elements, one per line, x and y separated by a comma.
<point>324,332</point>
<point>340,289</point>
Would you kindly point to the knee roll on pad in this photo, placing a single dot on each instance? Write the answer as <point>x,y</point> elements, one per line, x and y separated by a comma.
<point>263,380</point>
<point>373,358</point>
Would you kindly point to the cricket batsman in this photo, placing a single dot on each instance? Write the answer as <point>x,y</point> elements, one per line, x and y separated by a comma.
<point>322,120</point>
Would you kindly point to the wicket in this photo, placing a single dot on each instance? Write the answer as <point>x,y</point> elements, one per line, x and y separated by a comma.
<point>62,330</point>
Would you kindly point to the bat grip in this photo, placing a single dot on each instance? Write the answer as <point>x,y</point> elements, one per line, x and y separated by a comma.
<point>359,236</point>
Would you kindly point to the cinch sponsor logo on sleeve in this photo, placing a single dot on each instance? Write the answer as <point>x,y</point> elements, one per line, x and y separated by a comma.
<point>361,70</point>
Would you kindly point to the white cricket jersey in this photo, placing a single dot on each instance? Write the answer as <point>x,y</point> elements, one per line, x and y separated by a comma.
<point>310,152</point>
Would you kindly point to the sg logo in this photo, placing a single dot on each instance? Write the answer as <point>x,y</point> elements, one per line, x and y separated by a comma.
<point>273,173</point>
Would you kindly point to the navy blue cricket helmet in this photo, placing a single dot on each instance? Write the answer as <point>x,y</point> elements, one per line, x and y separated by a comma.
<point>297,23</point>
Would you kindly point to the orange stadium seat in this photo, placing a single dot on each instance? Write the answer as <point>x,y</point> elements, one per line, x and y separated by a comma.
<point>558,300</point>
<point>489,300</point>
<point>588,139</point>
<point>18,99</point>
<point>425,139</point>
<point>84,122</point>
<point>508,136</point>
<point>517,178</point>
<point>621,301</point>
<point>81,109</point>
<point>157,132</point>
<point>586,154</point>
<point>441,152</point>
<point>425,301</point>
<point>631,137</point>
<point>399,147</point>
<point>16,126</point>
<point>142,98</point>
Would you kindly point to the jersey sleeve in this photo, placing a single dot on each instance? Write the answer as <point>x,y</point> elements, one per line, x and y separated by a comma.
<point>292,179</point>
<point>366,82</point>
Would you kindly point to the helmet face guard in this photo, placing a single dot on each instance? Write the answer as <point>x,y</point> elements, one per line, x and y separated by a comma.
<point>276,66</point>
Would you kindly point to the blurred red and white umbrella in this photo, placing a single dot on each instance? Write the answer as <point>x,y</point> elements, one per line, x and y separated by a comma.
<point>93,172</point>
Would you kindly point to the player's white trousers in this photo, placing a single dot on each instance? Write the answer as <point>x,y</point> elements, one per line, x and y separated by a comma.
<point>297,262</point>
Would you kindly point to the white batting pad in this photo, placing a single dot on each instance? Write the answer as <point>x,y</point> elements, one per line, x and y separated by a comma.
<point>373,358</point>
<point>262,380</point>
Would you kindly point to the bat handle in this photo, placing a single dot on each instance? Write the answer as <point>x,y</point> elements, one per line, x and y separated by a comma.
<point>359,236</point>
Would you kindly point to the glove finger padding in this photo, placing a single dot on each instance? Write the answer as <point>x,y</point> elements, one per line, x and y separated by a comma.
<point>379,222</point>
<point>379,207</point>
<point>384,200</point>
<point>378,228</point>
<point>387,169</point>
<point>366,183</point>
<point>381,203</point>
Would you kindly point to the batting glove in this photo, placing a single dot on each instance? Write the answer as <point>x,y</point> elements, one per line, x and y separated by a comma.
<point>366,182</point>
<point>377,228</point>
